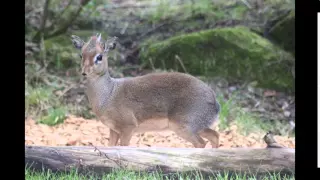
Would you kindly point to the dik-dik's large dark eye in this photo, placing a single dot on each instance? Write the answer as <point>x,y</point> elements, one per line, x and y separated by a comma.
<point>98,58</point>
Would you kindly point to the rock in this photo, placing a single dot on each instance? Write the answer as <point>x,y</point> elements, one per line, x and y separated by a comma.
<point>232,53</point>
<point>287,113</point>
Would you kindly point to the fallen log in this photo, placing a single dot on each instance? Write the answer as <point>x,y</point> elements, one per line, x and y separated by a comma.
<point>101,160</point>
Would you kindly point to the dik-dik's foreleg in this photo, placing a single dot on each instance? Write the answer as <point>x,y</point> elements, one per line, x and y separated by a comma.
<point>126,135</point>
<point>113,138</point>
<point>114,133</point>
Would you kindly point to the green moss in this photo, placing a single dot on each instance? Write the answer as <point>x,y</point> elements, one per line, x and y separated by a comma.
<point>283,32</point>
<point>239,12</point>
<point>233,53</point>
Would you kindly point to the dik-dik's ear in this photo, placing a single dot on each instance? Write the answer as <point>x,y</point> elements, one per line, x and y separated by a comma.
<point>77,41</point>
<point>110,44</point>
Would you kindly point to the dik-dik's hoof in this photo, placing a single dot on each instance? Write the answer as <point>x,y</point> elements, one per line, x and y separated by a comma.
<point>215,146</point>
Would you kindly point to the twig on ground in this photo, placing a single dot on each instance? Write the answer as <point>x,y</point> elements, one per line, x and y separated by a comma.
<point>152,65</point>
<point>100,153</point>
<point>66,90</point>
<point>181,63</point>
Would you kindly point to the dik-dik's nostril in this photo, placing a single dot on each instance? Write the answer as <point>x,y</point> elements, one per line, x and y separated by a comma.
<point>84,74</point>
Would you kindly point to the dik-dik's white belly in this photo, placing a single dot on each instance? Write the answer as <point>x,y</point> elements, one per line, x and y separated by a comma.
<point>152,125</point>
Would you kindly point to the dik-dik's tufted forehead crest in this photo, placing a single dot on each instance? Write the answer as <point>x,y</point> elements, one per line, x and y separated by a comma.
<point>88,46</point>
<point>91,44</point>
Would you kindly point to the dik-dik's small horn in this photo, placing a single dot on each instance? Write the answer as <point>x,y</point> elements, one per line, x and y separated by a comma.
<point>98,37</point>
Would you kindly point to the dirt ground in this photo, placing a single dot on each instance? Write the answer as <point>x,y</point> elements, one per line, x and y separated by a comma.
<point>81,132</point>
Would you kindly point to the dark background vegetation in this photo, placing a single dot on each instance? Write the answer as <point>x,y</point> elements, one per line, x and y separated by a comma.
<point>243,48</point>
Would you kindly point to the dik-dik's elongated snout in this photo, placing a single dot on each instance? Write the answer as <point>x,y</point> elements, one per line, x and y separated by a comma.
<point>85,71</point>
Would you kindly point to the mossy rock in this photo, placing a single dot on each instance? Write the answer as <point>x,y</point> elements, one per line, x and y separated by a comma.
<point>233,53</point>
<point>61,50</point>
<point>283,32</point>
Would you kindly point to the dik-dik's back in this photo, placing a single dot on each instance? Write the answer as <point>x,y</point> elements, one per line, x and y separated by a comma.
<point>157,101</point>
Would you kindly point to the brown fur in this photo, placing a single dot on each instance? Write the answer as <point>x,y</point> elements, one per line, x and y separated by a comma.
<point>153,102</point>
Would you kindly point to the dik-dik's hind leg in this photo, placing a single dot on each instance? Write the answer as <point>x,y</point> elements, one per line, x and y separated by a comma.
<point>184,133</point>
<point>211,135</point>
<point>195,139</point>
<point>113,138</point>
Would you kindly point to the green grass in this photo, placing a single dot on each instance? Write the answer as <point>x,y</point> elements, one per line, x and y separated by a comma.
<point>247,122</point>
<point>42,104</point>
<point>123,175</point>
<point>54,116</point>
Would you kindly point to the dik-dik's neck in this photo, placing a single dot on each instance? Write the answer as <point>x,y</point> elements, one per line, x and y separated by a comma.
<point>99,91</point>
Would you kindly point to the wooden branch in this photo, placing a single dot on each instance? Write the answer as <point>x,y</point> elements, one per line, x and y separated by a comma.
<point>60,15</point>
<point>44,15</point>
<point>43,20</point>
<point>169,160</point>
<point>64,27</point>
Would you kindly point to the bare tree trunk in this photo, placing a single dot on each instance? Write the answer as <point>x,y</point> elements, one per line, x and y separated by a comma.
<point>102,160</point>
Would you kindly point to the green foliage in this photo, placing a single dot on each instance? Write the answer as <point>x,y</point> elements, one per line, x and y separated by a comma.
<point>163,11</point>
<point>36,97</point>
<point>54,116</point>
<point>172,10</point>
<point>247,122</point>
<point>283,32</point>
<point>226,112</point>
<point>91,7</point>
<point>42,104</point>
<point>239,12</point>
<point>60,53</point>
<point>233,53</point>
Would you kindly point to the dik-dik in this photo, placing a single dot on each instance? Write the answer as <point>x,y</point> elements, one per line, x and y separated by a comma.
<point>153,102</point>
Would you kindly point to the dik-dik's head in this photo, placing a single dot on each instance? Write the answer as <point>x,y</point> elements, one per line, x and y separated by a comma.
<point>94,54</point>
